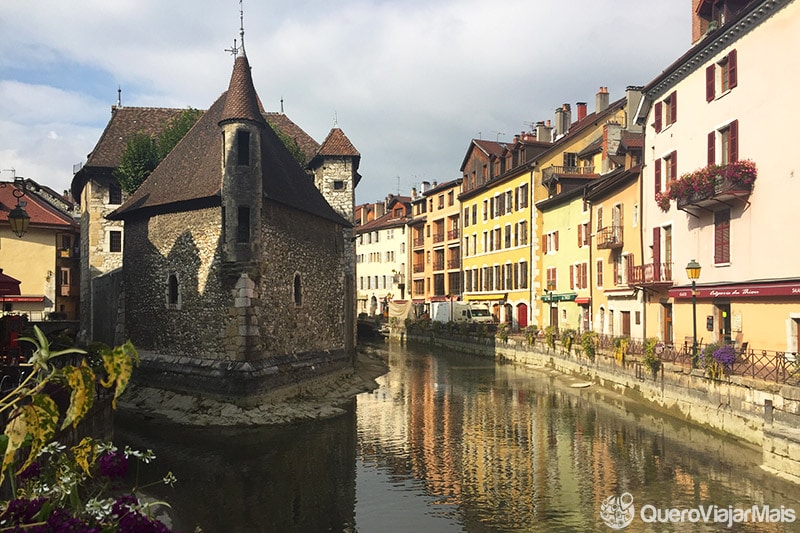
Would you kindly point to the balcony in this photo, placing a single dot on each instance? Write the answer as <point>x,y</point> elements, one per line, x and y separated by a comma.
<point>651,275</point>
<point>67,290</point>
<point>438,265</point>
<point>454,234</point>
<point>723,191</point>
<point>556,171</point>
<point>609,238</point>
<point>453,263</point>
<point>438,237</point>
<point>418,268</point>
<point>418,242</point>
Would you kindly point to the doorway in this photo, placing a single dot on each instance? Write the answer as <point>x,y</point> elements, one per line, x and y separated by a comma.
<point>666,323</point>
<point>723,321</point>
<point>522,316</point>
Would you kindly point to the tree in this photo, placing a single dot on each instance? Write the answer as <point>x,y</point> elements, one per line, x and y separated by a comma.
<point>143,153</point>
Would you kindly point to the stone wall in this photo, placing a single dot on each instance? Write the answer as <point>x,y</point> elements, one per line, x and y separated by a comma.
<point>108,320</point>
<point>236,330</point>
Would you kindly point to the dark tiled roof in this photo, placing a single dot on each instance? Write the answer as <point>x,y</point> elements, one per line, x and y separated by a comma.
<point>632,139</point>
<point>192,172</point>
<point>242,102</point>
<point>42,213</point>
<point>306,143</point>
<point>123,124</point>
<point>337,144</point>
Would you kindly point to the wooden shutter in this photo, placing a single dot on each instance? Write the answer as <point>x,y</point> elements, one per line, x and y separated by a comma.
<point>710,83</point>
<point>673,107</point>
<point>733,138</point>
<point>580,235</point>
<point>657,171</point>
<point>585,274</point>
<point>599,273</point>
<point>571,277</point>
<point>712,144</point>
<point>657,113</point>
<point>556,238</point>
<point>732,74</point>
<point>722,236</point>
<point>673,165</point>
<point>657,253</point>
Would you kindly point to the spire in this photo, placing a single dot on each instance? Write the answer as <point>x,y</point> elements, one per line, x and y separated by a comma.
<point>240,52</point>
<point>241,101</point>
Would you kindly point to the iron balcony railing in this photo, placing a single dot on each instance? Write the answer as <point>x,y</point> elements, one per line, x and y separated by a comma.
<point>453,234</point>
<point>609,237</point>
<point>650,274</point>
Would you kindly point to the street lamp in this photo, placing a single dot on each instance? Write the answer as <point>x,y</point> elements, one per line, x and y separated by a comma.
<point>693,271</point>
<point>18,218</point>
<point>551,287</point>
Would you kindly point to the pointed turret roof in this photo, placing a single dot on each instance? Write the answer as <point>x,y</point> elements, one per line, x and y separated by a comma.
<point>242,102</point>
<point>337,144</point>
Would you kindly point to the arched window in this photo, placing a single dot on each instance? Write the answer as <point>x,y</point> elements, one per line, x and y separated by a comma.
<point>298,290</point>
<point>173,292</point>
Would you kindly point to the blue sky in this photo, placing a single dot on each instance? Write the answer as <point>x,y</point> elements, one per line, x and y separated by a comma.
<point>410,82</point>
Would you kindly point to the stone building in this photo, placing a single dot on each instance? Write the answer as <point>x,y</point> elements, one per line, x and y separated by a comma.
<point>236,274</point>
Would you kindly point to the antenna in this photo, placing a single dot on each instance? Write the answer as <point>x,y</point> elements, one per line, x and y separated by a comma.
<point>335,119</point>
<point>281,105</point>
<point>241,24</point>
<point>119,96</point>
<point>398,185</point>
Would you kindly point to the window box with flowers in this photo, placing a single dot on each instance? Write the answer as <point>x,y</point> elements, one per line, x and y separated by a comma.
<point>712,183</point>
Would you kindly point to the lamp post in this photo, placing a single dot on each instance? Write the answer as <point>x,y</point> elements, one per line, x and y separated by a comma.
<point>551,287</point>
<point>693,271</point>
<point>18,218</point>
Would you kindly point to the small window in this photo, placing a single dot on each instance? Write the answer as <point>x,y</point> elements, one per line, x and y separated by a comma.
<point>115,241</point>
<point>242,147</point>
<point>298,290</point>
<point>173,294</point>
<point>114,194</point>
<point>338,185</point>
<point>243,225</point>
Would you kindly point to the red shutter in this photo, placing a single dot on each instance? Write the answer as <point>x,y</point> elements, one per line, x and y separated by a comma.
<point>673,107</point>
<point>712,143</point>
<point>657,171</point>
<point>556,237</point>
<point>710,83</point>
<point>673,165</point>
<point>733,133</point>
<point>656,246</point>
<point>571,277</point>
<point>657,113</point>
<point>732,75</point>
<point>585,274</point>
<point>580,235</point>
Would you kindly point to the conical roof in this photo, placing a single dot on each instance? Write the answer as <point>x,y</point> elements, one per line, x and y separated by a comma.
<point>242,101</point>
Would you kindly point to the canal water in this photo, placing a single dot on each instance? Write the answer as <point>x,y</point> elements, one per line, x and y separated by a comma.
<point>451,442</point>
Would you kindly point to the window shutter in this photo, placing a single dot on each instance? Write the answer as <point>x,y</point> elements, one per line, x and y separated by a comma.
<point>657,171</point>
<point>616,273</point>
<point>571,277</point>
<point>656,245</point>
<point>673,107</point>
<point>584,275</point>
<point>732,75</point>
<point>599,273</point>
<point>657,113</point>
<point>556,237</point>
<point>722,224</point>
<point>710,83</point>
<point>733,134</point>
<point>580,235</point>
<point>599,218</point>
<point>712,143</point>
<point>673,165</point>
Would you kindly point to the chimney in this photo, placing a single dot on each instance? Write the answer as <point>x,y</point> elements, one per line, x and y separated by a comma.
<point>612,135</point>
<point>581,111</point>
<point>380,210</point>
<point>563,120</point>
<point>602,99</point>
<point>633,96</point>
<point>413,192</point>
<point>544,132</point>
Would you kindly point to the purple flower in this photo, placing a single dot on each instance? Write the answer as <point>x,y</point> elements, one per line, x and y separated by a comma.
<point>725,355</point>
<point>113,465</point>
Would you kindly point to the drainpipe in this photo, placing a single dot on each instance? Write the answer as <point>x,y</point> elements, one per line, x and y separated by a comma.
<point>590,266</point>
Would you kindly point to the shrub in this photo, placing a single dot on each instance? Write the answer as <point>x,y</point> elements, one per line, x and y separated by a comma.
<point>550,337</point>
<point>620,348</point>
<point>567,338</point>
<point>651,359</point>
<point>530,334</point>
<point>589,344</point>
<point>725,355</point>
<point>503,332</point>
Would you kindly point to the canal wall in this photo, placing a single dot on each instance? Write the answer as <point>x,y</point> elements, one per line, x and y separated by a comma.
<point>761,413</point>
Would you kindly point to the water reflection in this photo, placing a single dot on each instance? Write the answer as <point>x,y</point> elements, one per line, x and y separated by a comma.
<point>450,442</point>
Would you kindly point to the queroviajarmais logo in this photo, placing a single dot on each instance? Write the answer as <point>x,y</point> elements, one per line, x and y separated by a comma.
<point>617,511</point>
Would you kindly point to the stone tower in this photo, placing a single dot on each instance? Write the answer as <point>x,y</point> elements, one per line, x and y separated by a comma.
<point>335,169</point>
<point>242,126</point>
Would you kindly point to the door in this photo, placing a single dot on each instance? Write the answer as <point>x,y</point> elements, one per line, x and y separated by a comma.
<point>724,323</point>
<point>666,325</point>
<point>625,318</point>
<point>522,316</point>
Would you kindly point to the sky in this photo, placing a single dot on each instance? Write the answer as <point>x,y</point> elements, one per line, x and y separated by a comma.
<point>410,82</point>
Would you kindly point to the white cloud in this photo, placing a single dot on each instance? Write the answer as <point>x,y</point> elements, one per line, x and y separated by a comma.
<point>410,82</point>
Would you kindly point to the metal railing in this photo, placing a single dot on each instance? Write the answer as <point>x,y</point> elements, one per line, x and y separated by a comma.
<point>651,273</point>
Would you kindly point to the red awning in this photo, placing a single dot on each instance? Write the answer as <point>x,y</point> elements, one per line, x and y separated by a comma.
<point>743,290</point>
<point>8,285</point>
<point>21,299</point>
<point>583,300</point>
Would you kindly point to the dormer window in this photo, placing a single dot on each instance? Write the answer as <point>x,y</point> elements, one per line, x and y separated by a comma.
<point>243,147</point>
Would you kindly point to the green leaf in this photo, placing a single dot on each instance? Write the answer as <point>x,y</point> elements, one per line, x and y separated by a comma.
<point>119,366</point>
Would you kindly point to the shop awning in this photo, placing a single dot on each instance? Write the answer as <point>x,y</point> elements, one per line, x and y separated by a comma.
<point>21,299</point>
<point>8,285</point>
<point>583,300</point>
<point>740,290</point>
<point>485,296</point>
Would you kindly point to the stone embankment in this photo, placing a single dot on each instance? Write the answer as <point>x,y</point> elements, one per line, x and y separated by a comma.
<point>324,397</point>
<point>761,413</point>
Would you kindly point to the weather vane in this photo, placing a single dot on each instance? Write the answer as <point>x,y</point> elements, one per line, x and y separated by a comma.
<point>234,49</point>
